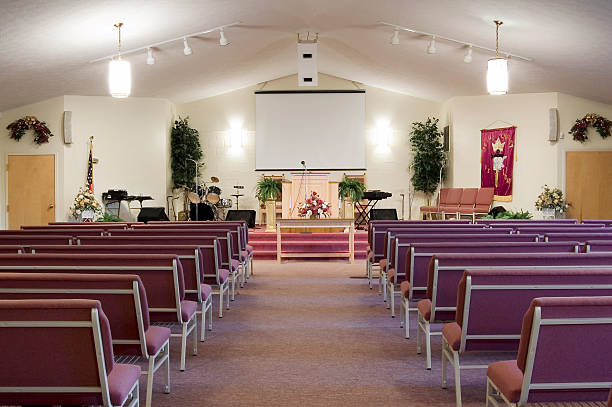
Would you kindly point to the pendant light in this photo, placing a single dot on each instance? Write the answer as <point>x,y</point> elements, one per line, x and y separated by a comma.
<point>119,73</point>
<point>497,71</point>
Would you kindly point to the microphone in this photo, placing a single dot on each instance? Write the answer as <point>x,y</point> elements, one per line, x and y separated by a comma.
<point>303,162</point>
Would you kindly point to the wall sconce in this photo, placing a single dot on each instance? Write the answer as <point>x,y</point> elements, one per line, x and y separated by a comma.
<point>235,137</point>
<point>382,136</point>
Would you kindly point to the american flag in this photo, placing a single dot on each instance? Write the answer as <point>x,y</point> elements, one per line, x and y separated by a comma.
<point>90,168</point>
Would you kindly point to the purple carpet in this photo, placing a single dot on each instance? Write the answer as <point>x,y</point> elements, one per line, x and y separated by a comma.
<point>306,334</point>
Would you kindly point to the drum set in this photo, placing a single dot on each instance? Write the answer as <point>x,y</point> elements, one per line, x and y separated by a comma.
<point>207,203</point>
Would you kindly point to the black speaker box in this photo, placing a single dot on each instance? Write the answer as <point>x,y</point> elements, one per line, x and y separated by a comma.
<point>149,214</point>
<point>239,214</point>
<point>383,214</point>
<point>205,212</point>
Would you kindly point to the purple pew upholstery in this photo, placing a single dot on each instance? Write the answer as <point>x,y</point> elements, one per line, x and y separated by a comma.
<point>446,270</point>
<point>525,222</point>
<point>161,275</point>
<point>577,236</point>
<point>190,257</point>
<point>52,232</point>
<point>124,301</point>
<point>598,246</point>
<point>478,326</point>
<point>553,349</point>
<point>607,222</point>
<point>67,357</point>
<point>12,249</point>
<point>80,225</point>
<point>544,230</point>
<point>27,240</point>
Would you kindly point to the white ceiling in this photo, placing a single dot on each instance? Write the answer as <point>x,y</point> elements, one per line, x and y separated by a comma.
<point>46,45</point>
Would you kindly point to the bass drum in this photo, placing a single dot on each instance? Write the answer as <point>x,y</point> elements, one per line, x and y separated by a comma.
<point>213,195</point>
<point>205,212</point>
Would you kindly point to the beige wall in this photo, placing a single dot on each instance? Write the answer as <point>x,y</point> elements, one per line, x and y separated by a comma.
<point>130,140</point>
<point>387,168</point>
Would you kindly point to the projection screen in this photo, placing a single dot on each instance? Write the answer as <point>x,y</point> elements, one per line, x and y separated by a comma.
<point>323,128</point>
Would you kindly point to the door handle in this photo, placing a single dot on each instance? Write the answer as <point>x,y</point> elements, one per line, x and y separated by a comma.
<point>51,206</point>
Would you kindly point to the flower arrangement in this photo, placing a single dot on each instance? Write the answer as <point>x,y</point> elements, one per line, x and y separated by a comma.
<point>85,201</point>
<point>314,206</point>
<point>551,198</point>
<point>601,124</point>
<point>18,128</point>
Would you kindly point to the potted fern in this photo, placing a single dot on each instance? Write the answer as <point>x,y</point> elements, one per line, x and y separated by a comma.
<point>267,191</point>
<point>350,190</point>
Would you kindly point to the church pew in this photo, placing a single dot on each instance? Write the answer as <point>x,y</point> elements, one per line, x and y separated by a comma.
<point>86,224</point>
<point>598,246</point>
<point>213,272</point>
<point>12,249</point>
<point>190,256</point>
<point>577,236</point>
<point>227,236</point>
<point>161,274</point>
<point>124,302</point>
<point>28,240</point>
<point>606,222</point>
<point>526,222</point>
<point>52,231</point>
<point>411,261</point>
<point>80,225</point>
<point>563,355</point>
<point>75,337</point>
<point>485,295</point>
<point>543,230</point>
<point>446,270</point>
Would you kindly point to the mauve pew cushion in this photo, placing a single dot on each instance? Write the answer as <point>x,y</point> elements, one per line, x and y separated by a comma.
<point>155,337</point>
<point>244,255</point>
<point>235,263</point>
<point>223,275</point>
<point>206,291</point>
<point>405,288</point>
<point>120,382</point>
<point>249,248</point>
<point>383,264</point>
<point>424,307</point>
<point>508,378</point>
<point>188,308</point>
<point>452,334</point>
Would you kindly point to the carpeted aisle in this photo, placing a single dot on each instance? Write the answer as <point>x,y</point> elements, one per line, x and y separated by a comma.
<point>305,333</point>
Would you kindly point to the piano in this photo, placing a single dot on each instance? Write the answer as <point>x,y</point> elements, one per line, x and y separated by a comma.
<point>363,218</point>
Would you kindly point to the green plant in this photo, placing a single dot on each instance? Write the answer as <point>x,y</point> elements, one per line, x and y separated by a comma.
<point>351,188</point>
<point>184,146</point>
<point>109,217</point>
<point>429,158</point>
<point>268,188</point>
<point>511,215</point>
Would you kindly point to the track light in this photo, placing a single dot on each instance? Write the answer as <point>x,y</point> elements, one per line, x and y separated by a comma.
<point>431,48</point>
<point>222,38</point>
<point>186,48</point>
<point>395,38</point>
<point>468,55</point>
<point>150,59</point>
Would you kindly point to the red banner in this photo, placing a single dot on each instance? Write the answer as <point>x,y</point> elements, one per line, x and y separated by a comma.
<point>497,161</point>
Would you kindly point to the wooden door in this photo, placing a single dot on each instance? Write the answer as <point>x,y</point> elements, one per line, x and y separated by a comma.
<point>587,184</point>
<point>31,190</point>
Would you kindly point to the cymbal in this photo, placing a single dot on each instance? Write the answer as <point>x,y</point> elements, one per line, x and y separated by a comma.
<point>214,179</point>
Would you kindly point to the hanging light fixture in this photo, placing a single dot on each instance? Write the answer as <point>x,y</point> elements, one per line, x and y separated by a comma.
<point>119,73</point>
<point>150,58</point>
<point>395,39</point>
<point>431,48</point>
<point>186,48</point>
<point>468,55</point>
<point>222,38</point>
<point>497,71</point>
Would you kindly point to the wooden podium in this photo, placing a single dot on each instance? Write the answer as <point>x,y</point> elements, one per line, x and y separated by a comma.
<point>303,183</point>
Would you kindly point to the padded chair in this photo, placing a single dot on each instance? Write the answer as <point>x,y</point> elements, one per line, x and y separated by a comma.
<point>466,203</point>
<point>452,203</point>
<point>442,200</point>
<point>60,352</point>
<point>563,354</point>
<point>482,205</point>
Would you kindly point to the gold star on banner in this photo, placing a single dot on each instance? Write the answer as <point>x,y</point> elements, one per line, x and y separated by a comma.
<point>498,145</point>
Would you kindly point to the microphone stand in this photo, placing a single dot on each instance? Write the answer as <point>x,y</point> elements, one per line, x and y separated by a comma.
<point>305,180</point>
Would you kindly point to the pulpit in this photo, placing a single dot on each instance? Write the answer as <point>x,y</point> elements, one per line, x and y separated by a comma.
<point>302,184</point>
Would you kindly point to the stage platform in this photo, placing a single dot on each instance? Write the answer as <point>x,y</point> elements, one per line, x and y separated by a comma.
<point>264,244</point>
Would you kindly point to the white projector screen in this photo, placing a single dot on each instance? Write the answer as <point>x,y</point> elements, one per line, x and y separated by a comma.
<point>323,128</point>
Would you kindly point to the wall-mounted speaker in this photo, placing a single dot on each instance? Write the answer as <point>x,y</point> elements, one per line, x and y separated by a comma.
<point>67,125</point>
<point>307,64</point>
<point>446,141</point>
<point>553,124</point>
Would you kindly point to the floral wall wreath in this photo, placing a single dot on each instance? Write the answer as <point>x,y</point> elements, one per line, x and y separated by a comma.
<point>600,123</point>
<point>18,128</point>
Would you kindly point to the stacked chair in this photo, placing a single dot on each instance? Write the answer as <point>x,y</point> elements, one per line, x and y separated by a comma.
<point>540,291</point>
<point>145,283</point>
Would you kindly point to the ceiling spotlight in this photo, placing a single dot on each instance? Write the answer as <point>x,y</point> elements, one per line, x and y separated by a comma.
<point>222,38</point>
<point>497,69</point>
<point>119,72</point>
<point>150,59</point>
<point>186,48</point>
<point>468,55</point>
<point>395,38</point>
<point>431,48</point>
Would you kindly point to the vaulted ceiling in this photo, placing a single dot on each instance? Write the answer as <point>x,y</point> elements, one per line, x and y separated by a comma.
<point>46,46</point>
